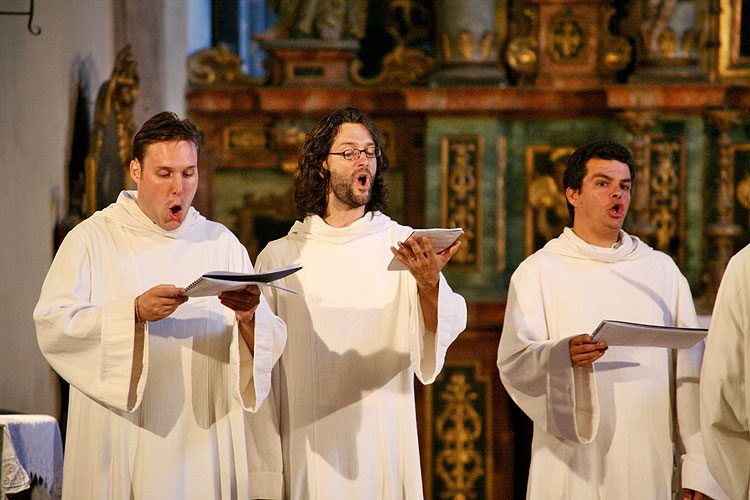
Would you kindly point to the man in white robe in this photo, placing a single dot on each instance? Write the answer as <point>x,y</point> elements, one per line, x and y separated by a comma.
<point>360,332</point>
<point>602,431</point>
<point>161,386</point>
<point>725,378</point>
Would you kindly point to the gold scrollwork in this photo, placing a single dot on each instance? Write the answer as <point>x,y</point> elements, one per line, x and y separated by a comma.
<point>547,201</point>
<point>521,53</point>
<point>665,195</point>
<point>615,52</point>
<point>743,192</point>
<point>218,66</point>
<point>459,427</point>
<point>461,207</point>
<point>105,176</point>
<point>547,208</point>
<point>241,139</point>
<point>404,65</point>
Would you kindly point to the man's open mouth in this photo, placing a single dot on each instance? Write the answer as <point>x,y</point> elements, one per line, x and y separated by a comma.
<point>362,179</point>
<point>175,212</point>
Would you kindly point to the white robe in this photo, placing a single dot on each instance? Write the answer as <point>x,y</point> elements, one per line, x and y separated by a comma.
<point>602,431</point>
<point>725,379</point>
<point>180,427</point>
<point>356,339</point>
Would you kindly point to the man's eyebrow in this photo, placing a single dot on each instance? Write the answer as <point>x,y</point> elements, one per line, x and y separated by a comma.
<point>607,177</point>
<point>354,144</point>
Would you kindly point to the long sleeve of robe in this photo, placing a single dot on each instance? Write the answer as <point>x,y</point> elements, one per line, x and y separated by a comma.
<point>356,340</point>
<point>725,381</point>
<point>159,411</point>
<point>605,430</point>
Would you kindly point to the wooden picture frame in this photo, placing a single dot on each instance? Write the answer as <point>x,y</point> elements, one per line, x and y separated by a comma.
<point>734,33</point>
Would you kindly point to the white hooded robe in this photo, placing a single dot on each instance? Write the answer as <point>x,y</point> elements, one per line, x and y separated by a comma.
<point>603,431</point>
<point>179,427</point>
<point>356,339</point>
<point>725,378</point>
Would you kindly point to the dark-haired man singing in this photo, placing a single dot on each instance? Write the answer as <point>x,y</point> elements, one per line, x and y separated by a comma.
<point>360,333</point>
<point>603,416</point>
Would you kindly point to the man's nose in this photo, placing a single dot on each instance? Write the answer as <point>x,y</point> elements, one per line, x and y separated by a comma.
<point>177,185</point>
<point>362,160</point>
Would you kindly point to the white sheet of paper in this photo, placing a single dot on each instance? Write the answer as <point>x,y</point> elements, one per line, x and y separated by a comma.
<point>440,238</point>
<point>210,287</point>
<point>623,333</point>
<point>213,283</point>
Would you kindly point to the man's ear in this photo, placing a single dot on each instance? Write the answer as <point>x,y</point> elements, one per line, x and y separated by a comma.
<point>135,170</point>
<point>572,195</point>
<point>324,166</point>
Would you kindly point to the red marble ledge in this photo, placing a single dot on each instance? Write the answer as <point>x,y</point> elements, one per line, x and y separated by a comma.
<point>222,99</point>
<point>528,101</point>
<point>481,100</point>
<point>688,97</point>
<point>324,100</point>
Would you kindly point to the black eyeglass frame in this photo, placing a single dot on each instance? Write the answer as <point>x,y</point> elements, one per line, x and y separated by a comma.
<point>376,152</point>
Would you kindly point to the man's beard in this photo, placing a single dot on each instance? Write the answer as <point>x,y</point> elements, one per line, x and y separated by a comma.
<point>341,186</point>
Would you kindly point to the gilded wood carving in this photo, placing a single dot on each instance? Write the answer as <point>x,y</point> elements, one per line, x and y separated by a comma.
<point>461,199</point>
<point>459,422</point>
<point>107,164</point>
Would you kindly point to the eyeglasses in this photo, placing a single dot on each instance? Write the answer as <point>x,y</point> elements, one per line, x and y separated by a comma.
<point>354,154</point>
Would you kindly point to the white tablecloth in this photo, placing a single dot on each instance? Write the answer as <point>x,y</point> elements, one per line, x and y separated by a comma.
<point>31,448</point>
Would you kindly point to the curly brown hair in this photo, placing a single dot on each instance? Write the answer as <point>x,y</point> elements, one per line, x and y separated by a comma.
<point>311,180</point>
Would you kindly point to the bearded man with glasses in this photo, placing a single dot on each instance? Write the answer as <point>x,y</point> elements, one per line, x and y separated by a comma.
<point>359,334</point>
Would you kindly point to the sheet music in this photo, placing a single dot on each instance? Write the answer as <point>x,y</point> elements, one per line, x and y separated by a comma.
<point>622,333</point>
<point>215,282</point>
<point>440,238</point>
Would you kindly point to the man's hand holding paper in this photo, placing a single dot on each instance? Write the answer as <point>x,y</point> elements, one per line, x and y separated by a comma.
<point>242,302</point>
<point>158,302</point>
<point>584,351</point>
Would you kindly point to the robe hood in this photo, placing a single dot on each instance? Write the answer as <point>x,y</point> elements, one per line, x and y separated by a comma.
<point>126,212</point>
<point>315,228</point>
<point>568,244</point>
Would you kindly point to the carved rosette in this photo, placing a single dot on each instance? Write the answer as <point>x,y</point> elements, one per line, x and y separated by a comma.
<point>461,195</point>
<point>576,48</point>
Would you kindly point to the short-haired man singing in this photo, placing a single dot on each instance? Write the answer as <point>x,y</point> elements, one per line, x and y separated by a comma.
<point>602,430</point>
<point>161,386</point>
